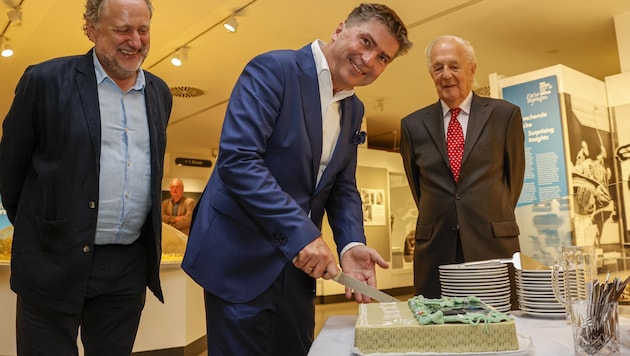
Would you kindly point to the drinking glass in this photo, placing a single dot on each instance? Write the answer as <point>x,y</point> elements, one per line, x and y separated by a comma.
<point>595,328</point>
<point>571,273</point>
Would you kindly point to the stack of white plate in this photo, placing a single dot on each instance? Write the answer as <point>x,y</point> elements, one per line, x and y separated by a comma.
<point>535,294</point>
<point>489,282</point>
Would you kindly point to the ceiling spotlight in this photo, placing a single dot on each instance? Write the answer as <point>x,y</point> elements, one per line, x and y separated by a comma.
<point>180,56</point>
<point>230,24</point>
<point>15,16</point>
<point>7,51</point>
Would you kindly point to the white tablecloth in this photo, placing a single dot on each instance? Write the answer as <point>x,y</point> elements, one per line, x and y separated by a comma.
<point>546,336</point>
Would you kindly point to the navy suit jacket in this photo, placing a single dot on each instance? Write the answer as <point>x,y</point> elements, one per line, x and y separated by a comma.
<point>253,217</point>
<point>480,208</point>
<point>49,179</point>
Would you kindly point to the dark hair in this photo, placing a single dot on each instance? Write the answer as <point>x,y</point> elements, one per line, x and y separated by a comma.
<point>93,10</point>
<point>387,16</point>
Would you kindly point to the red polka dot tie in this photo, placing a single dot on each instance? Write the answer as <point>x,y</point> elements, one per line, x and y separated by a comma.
<point>455,143</point>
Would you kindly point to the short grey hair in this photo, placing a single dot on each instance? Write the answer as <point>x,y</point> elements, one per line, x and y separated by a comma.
<point>468,48</point>
<point>93,10</point>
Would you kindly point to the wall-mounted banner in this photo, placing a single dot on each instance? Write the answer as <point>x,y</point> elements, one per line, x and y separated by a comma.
<point>543,208</point>
<point>545,175</point>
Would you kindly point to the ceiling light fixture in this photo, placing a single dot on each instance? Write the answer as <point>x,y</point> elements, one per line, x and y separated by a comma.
<point>7,51</point>
<point>230,24</point>
<point>220,22</point>
<point>180,56</point>
<point>15,16</point>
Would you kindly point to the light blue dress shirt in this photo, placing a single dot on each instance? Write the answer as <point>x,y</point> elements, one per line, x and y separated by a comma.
<point>125,162</point>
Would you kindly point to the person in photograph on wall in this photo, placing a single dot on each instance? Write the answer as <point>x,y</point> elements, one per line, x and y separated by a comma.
<point>288,153</point>
<point>80,178</point>
<point>466,214</point>
<point>177,211</point>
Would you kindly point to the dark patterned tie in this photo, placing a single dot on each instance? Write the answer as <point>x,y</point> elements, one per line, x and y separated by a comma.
<point>455,143</point>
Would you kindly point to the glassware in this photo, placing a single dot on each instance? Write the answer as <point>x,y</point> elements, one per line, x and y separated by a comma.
<point>570,275</point>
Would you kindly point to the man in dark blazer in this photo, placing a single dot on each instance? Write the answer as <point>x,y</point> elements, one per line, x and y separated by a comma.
<point>255,244</point>
<point>471,217</point>
<point>80,256</point>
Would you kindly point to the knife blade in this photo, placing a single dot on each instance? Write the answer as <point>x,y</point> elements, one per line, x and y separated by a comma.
<point>363,288</point>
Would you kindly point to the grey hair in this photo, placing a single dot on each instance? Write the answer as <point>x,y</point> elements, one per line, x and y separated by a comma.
<point>468,48</point>
<point>93,10</point>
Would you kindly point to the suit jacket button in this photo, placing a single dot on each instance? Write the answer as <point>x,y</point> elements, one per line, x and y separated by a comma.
<point>86,248</point>
<point>458,196</point>
<point>92,204</point>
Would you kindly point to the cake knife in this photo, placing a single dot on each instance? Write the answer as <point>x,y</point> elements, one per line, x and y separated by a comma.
<point>363,288</point>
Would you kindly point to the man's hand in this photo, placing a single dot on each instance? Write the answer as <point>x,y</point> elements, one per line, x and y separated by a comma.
<point>317,260</point>
<point>359,262</point>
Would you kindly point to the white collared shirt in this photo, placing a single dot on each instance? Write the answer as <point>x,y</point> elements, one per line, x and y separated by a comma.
<point>463,116</point>
<point>331,114</point>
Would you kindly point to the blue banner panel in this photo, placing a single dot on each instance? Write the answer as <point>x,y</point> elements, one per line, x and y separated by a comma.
<point>543,208</point>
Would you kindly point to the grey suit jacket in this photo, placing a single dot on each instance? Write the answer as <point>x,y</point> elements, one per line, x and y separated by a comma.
<point>480,208</point>
<point>49,179</point>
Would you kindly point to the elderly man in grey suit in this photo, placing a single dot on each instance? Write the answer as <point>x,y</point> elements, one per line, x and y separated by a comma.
<point>465,199</point>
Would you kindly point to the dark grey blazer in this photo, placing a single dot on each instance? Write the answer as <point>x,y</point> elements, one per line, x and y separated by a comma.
<point>481,206</point>
<point>49,179</point>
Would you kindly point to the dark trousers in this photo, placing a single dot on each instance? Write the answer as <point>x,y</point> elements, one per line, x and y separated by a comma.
<point>279,322</point>
<point>109,317</point>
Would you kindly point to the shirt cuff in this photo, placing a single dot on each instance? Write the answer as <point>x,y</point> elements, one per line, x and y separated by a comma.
<point>347,247</point>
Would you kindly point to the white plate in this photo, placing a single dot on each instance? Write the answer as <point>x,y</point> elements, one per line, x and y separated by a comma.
<point>493,293</point>
<point>540,272</point>
<point>461,266</point>
<point>475,282</point>
<point>532,294</point>
<point>535,288</point>
<point>498,285</point>
<point>542,307</point>
<point>472,274</point>
<point>539,300</point>
<point>545,315</point>
<point>542,311</point>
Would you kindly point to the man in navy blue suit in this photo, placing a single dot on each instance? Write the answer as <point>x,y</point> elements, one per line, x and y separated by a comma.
<point>288,153</point>
<point>81,162</point>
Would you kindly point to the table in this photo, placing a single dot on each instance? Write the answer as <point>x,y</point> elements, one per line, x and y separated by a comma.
<point>546,336</point>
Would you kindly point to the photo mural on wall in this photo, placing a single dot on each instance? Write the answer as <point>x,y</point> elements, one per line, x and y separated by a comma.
<point>593,179</point>
<point>621,153</point>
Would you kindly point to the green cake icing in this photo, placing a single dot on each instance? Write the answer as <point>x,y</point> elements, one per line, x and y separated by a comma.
<point>467,310</point>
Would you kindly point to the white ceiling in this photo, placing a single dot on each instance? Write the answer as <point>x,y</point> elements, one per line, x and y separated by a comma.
<point>510,37</point>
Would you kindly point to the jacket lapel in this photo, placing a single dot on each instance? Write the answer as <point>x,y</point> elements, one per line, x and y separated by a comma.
<point>88,92</point>
<point>434,123</point>
<point>311,106</point>
<point>345,133</point>
<point>479,114</point>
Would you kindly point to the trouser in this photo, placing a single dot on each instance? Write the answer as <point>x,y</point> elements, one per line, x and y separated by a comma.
<point>108,319</point>
<point>279,322</point>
